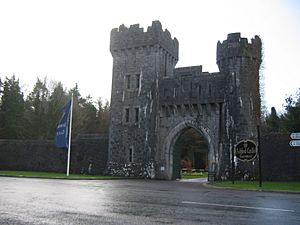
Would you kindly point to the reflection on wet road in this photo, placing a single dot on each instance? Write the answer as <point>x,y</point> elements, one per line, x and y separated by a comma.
<point>46,201</point>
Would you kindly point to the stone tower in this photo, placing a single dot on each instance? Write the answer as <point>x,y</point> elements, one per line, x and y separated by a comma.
<point>239,61</point>
<point>153,104</point>
<point>140,60</point>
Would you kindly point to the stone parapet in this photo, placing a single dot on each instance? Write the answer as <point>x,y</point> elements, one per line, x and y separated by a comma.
<point>236,46</point>
<point>134,37</point>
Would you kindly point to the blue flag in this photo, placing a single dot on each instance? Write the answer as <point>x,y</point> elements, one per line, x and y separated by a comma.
<point>61,137</point>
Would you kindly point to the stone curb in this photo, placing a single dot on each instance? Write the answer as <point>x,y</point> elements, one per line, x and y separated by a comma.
<point>62,178</point>
<point>208,185</point>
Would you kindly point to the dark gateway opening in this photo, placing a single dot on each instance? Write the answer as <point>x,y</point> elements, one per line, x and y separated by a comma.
<point>190,153</point>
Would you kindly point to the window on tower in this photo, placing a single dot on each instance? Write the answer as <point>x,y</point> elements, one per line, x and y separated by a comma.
<point>127,115</point>
<point>128,81</point>
<point>137,80</point>
<point>136,114</point>
<point>130,154</point>
<point>209,90</point>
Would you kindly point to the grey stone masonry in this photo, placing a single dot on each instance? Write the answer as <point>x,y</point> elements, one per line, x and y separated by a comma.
<point>134,37</point>
<point>152,103</point>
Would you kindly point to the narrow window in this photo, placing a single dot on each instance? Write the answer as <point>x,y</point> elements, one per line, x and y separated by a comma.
<point>195,108</point>
<point>171,109</point>
<point>165,92</point>
<point>200,91</point>
<point>165,72</point>
<point>136,114</point>
<point>179,109</point>
<point>209,90</point>
<point>128,81</point>
<point>127,115</point>
<point>167,111</point>
<point>131,154</point>
<point>137,81</point>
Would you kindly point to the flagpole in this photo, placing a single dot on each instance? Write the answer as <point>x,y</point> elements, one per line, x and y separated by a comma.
<point>70,135</point>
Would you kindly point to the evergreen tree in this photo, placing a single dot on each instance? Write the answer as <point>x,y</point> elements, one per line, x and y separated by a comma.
<point>273,121</point>
<point>89,115</point>
<point>291,119</point>
<point>57,99</point>
<point>77,125</point>
<point>85,115</point>
<point>0,87</point>
<point>12,110</point>
<point>38,116</point>
<point>103,116</point>
<point>37,110</point>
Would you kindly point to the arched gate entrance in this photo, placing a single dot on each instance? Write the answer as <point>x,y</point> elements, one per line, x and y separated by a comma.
<point>190,155</point>
<point>172,152</point>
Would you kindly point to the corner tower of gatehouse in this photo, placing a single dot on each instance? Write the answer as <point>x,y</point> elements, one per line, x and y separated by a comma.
<point>141,59</point>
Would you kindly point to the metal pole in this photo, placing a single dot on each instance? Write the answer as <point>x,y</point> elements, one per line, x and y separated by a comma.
<point>259,156</point>
<point>70,134</point>
<point>232,164</point>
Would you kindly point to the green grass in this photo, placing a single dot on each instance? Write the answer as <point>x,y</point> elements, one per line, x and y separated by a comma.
<point>266,185</point>
<point>192,175</point>
<point>54,175</point>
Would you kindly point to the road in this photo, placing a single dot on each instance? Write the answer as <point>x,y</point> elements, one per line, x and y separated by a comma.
<point>25,201</point>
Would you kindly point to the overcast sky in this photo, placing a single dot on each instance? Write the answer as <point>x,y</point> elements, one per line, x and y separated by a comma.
<point>68,40</point>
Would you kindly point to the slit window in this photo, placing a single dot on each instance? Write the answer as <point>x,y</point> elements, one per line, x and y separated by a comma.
<point>128,81</point>
<point>137,80</point>
<point>127,115</point>
<point>131,154</point>
<point>136,114</point>
<point>166,58</point>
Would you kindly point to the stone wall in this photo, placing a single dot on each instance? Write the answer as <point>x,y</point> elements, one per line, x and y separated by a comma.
<point>280,162</point>
<point>33,155</point>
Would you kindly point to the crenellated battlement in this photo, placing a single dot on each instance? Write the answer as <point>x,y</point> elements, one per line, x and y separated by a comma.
<point>197,70</point>
<point>236,46</point>
<point>133,37</point>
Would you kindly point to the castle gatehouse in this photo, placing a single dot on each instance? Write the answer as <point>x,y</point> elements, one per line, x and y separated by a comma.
<point>153,104</point>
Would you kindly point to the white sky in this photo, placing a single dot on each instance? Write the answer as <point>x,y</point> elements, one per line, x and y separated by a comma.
<point>68,40</point>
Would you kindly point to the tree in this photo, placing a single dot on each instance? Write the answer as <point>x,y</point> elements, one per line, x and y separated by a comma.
<point>84,113</point>
<point>273,121</point>
<point>0,86</point>
<point>103,116</point>
<point>12,110</point>
<point>291,119</point>
<point>58,97</point>
<point>38,116</point>
<point>88,115</point>
<point>37,110</point>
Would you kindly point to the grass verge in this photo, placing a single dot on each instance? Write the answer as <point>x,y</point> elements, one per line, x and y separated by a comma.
<point>55,175</point>
<point>194,175</point>
<point>266,185</point>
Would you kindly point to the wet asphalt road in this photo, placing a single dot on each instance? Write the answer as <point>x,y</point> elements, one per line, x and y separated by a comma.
<point>45,201</point>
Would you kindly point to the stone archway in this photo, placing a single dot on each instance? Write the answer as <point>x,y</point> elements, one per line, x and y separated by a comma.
<point>174,134</point>
<point>190,153</point>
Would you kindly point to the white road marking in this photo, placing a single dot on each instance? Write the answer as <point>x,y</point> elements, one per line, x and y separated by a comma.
<point>237,206</point>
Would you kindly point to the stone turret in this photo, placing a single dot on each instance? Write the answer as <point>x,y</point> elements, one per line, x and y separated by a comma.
<point>236,47</point>
<point>141,61</point>
<point>135,37</point>
<point>240,61</point>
